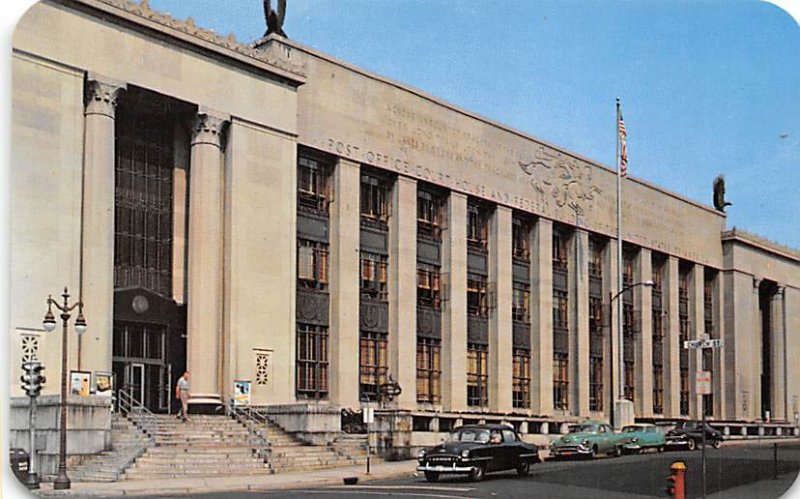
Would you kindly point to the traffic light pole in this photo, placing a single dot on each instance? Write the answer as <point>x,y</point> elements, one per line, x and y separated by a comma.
<point>33,469</point>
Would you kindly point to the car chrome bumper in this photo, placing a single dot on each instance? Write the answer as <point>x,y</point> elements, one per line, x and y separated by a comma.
<point>633,446</point>
<point>445,469</point>
<point>568,451</point>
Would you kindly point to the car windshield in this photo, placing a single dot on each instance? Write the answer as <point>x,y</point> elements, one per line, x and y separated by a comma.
<point>470,435</point>
<point>584,428</point>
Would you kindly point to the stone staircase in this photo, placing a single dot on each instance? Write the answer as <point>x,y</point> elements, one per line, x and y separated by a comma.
<point>289,454</point>
<point>204,446</point>
<point>127,443</point>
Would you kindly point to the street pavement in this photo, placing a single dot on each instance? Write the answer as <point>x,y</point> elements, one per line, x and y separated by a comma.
<point>735,471</point>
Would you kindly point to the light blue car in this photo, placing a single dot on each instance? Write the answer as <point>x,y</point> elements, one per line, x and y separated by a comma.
<point>640,437</point>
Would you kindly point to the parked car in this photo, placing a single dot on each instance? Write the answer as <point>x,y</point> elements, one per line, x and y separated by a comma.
<point>689,434</point>
<point>640,437</point>
<point>475,450</point>
<point>588,440</point>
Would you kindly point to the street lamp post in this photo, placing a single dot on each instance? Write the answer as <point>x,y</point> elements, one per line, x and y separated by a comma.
<point>49,323</point>
<point>617,418</point>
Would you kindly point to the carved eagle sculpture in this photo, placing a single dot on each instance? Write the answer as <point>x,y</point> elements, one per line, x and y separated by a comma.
<point>719,194</point>
<point>275,18</point>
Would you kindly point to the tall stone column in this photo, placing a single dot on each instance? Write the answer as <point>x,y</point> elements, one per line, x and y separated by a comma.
<point>778,354</point>
<point>721,389</point>
<point>403,289</point>
<point>345,273</point>
<point>204,280</point>
<point>579,323</point>
<point>542,318</point>
<point>754,378</point>
<point>454,313</point>
<point>672,376</point>
<point>500,324</point>
<point>97,232</point>
<point>643,300</point>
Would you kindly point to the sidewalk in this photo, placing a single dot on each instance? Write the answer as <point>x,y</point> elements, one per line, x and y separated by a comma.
<point>767,489</point>
<point>280,481</point>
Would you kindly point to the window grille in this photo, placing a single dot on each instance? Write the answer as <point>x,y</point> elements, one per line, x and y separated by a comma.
<point>312,264</point>
<point>373,365</point>
<point>312,361</point>
<point>521,378</point>
<point>429,370</point>
<point>477,375</point>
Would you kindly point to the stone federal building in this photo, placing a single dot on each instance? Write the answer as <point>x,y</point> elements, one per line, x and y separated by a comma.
<point>269,213</point>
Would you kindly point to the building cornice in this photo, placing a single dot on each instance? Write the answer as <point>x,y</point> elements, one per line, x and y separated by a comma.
<point>740,236</point>
<point>187,33</point>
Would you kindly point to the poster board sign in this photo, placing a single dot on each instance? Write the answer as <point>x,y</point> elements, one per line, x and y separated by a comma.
<point>703,381</point>
<point>80,383</point>
<point>103,383</point>
<point>241,391</point>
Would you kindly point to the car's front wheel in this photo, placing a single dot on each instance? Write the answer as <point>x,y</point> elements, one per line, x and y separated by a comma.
<point>617,451</point>
<point>716,443</point>
<point>691,444</point>
<point>431,476</point>
<point>593,454</point>
<point>524,468</point>
<point>477,474</point>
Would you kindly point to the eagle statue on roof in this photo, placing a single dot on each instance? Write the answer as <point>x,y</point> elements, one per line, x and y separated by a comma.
<point>275,18</point>
<point>719,194</point>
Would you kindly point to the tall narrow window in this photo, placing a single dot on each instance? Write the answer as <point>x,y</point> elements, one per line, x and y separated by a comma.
<point>628,326</point>
<point>520,240</point>
<point>477,226</point>
<point>429,214</point>
<point>312,264</point>
<point>373,276</point>
<point>313,184</point>
<point>657,307</point>
<point>429,370</point>
<point>559,250</point>
<point>561,381</point>
<point>708,328</point>
<point>143,197</point>
<point>374,199</point>
<point>312,361</point>
<point>521,378</point>
<point>428,285</point>
<point>476,295</point>
<point>477,375</point>
<point>596,339</point>
<point>520,303</point>
<point>373,364</point>
<point>683,324</point>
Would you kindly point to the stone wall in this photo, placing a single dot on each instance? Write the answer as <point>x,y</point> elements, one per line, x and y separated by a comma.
<point>88,428</point>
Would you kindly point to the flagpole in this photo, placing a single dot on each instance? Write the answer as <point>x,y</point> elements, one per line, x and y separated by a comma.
<point>620,339</point>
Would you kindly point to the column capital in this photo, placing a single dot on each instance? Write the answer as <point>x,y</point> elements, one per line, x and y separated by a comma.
<point>101,96</point>
<point>756,284</point>
<point>208,127</point>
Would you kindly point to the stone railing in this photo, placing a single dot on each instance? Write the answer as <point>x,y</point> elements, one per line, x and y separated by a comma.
<point>312,423</point>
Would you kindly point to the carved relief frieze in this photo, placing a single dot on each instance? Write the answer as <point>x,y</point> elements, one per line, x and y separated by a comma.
<point>312,307</point>
<point>429,322</point>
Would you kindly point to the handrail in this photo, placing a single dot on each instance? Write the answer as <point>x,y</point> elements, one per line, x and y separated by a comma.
<point>253,421</point>
<point>136,412</point>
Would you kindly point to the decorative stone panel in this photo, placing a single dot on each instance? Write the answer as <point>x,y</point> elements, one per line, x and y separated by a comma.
<point>429,252</point>
<point>374,317</point>
<point>429,322</point>
<point>374,240</point>
<point>312,227</point>
<point>521,272</point>
<point>312,307</point>
<point>477,330</point>
<point>522,335</point>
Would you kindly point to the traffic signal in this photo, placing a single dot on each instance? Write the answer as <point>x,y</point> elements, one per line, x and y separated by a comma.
<point>33,380</point>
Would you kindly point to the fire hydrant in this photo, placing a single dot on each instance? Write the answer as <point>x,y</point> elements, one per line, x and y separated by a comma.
<point>676,481</point>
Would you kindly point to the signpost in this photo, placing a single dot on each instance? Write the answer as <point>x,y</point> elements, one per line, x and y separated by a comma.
<point>703,387</point>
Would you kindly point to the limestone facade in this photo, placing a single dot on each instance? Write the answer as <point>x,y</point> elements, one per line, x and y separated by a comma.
<point>297,257</point>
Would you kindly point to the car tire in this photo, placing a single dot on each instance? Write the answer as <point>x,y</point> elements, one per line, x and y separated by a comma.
<point>716,443</point>
<point>691,444</point>
<point>431,476</point>
<point>661,448</point>
<point>477,474</point>
<point>617,451</point>
<point>593,454</point>
<point>524,468</point>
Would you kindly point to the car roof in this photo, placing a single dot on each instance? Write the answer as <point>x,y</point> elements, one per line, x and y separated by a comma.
<point>485,427</point>
<point>641,425</point>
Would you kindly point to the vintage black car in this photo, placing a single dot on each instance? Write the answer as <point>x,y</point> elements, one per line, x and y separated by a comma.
<point>689,434</point>
<point>475,450</point>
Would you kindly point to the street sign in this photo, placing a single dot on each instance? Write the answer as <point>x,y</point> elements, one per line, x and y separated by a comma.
<point>703,382</point>
<point>715,343</point>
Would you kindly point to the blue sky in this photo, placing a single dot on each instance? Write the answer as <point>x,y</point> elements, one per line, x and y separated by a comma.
<point>708,87</point>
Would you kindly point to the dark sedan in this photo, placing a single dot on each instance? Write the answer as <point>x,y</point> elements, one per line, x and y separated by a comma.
<point>476,450</point>
<point>689,434</point>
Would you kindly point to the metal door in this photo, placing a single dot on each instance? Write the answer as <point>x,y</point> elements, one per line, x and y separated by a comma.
<point>135,380</point>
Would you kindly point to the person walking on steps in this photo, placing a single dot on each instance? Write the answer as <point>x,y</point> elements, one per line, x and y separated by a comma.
<point>182,392</point>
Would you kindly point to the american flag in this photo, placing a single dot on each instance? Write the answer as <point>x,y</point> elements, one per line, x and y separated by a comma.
<point>623,148</point>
